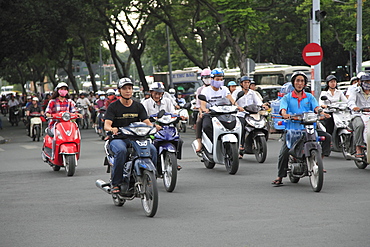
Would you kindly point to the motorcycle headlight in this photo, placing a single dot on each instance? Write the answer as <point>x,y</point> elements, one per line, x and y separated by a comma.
<point>66,116</point>
<point>141,131</point>
<point>309,117</point>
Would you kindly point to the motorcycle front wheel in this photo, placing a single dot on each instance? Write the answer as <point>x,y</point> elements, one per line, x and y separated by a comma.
<point>260,149</point>
<point>149,197</point>
<point>70,163</point>
<point>36,133</point>
<point>169,171</point>
<point>231,157</point>
<point>315,170</point>
<point>345,142</point>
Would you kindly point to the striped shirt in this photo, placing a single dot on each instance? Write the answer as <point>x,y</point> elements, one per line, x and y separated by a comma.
<point>56,105</point>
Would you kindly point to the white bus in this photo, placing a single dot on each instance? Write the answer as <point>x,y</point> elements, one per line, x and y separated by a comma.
<point>278,74</point>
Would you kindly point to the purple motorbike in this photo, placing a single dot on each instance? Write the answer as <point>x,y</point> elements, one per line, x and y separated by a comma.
<point>169,145</point>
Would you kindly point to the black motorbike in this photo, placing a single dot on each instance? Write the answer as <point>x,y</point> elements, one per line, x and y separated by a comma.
<point>14,115</point>
<point>141,172</point>
<point>99,124</point>
<point>256,132</point>
<point>305,151</point>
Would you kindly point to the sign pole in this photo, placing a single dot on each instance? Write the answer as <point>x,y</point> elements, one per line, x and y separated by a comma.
<point>316,39</point>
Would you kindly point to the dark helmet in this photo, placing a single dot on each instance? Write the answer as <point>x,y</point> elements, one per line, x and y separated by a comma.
<point>297,73</point>
<point>331,77</point>
<point>365,77</point>
<point>245,78</point>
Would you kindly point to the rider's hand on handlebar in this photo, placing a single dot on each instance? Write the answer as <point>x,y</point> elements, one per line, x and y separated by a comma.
<point>114,130</point>
<point>356,108</point>
<point>285,116</point>
<point>327,115</point>
<point>240,108</point>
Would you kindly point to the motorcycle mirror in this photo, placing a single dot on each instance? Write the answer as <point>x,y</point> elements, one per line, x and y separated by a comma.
<point>161,113</point>
<point>324,97</point>
<point>187,105</point>
<point>202,97</point>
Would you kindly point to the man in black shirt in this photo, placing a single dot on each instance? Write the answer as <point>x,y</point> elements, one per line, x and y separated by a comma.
<point>120,114</point>
<point>33,108</point>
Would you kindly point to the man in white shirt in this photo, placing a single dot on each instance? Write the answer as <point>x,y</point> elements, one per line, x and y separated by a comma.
<point>249,98</point>
<point>83,101</point>
<point>215,92</point>
<point>157,102</point>
<point>356,101</point>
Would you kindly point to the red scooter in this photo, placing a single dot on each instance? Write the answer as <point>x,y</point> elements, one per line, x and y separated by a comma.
<point>62,145</point>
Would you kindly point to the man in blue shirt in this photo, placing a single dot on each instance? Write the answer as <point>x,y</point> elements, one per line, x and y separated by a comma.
<point>296,102</point>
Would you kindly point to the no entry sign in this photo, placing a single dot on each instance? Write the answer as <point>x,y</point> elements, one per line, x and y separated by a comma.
<point>312,54</point>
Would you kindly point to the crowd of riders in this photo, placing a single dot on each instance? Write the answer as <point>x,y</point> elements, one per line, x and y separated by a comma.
<point>122,108</point>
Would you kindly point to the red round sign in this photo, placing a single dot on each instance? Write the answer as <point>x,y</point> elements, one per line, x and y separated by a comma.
<point>312,54</point>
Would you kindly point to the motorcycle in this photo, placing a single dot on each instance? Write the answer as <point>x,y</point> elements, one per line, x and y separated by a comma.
<point>36,126</point>
<point>4,108</point>
<point>141,178</point>
<point>256,132</point>
<point>227,130</point>
<point>364,161</point>
<point>341,133</point>
<point>83,122</point>
<point>14,115</point>
<point>61,147</point>
<point>169,145</point>
<point>99,125</point>
<point>305,151</point>
<point>183,113</point>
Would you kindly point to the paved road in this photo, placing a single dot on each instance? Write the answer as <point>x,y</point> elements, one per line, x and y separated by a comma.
<point>40,207</point>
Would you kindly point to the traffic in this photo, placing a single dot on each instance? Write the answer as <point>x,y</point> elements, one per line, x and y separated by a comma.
<point>142,139</point>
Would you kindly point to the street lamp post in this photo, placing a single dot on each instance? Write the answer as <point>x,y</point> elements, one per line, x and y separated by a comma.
<point>359,37</point>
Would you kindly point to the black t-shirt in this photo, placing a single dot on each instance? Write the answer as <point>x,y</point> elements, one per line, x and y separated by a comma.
<point>122,116</point>
<point>31,109</point>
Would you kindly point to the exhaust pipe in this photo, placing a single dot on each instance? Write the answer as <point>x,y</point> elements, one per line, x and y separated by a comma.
<point>103,185</point>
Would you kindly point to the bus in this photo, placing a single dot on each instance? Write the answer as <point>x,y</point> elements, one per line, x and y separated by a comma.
<point>278,74</point>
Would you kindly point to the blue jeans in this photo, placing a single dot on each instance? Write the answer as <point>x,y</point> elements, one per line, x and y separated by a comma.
<point>119,148</point>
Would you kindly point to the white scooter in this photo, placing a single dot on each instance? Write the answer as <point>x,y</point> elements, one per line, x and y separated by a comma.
<point>341,134</point>
<point>36,126</point>
<point>227,130</point>
<point>183,113</point>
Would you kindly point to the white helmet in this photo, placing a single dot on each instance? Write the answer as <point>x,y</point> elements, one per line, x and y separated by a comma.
<point>124,81</point>
<point>111,91</point>
<point>101,93</point>
<point>35,98</point>
<point>61,84</point>
<point>172,91</point>
<point>157,87</point>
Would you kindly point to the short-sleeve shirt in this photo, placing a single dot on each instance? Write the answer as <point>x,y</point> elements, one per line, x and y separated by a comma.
<point>293,105</point>
<point>122,116</point>
<point>249,98</point>
<point>32,109</point>
<point>152,107</point>
<point>213,96</point>
<point>56,105</point>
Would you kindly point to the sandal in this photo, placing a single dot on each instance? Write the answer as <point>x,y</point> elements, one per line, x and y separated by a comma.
<point>360,155</point>
<point>115,190</point>
<point>179,167</point>
<point>277,182</point>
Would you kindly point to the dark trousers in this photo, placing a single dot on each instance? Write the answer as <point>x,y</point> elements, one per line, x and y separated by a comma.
<point>284,152</point>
